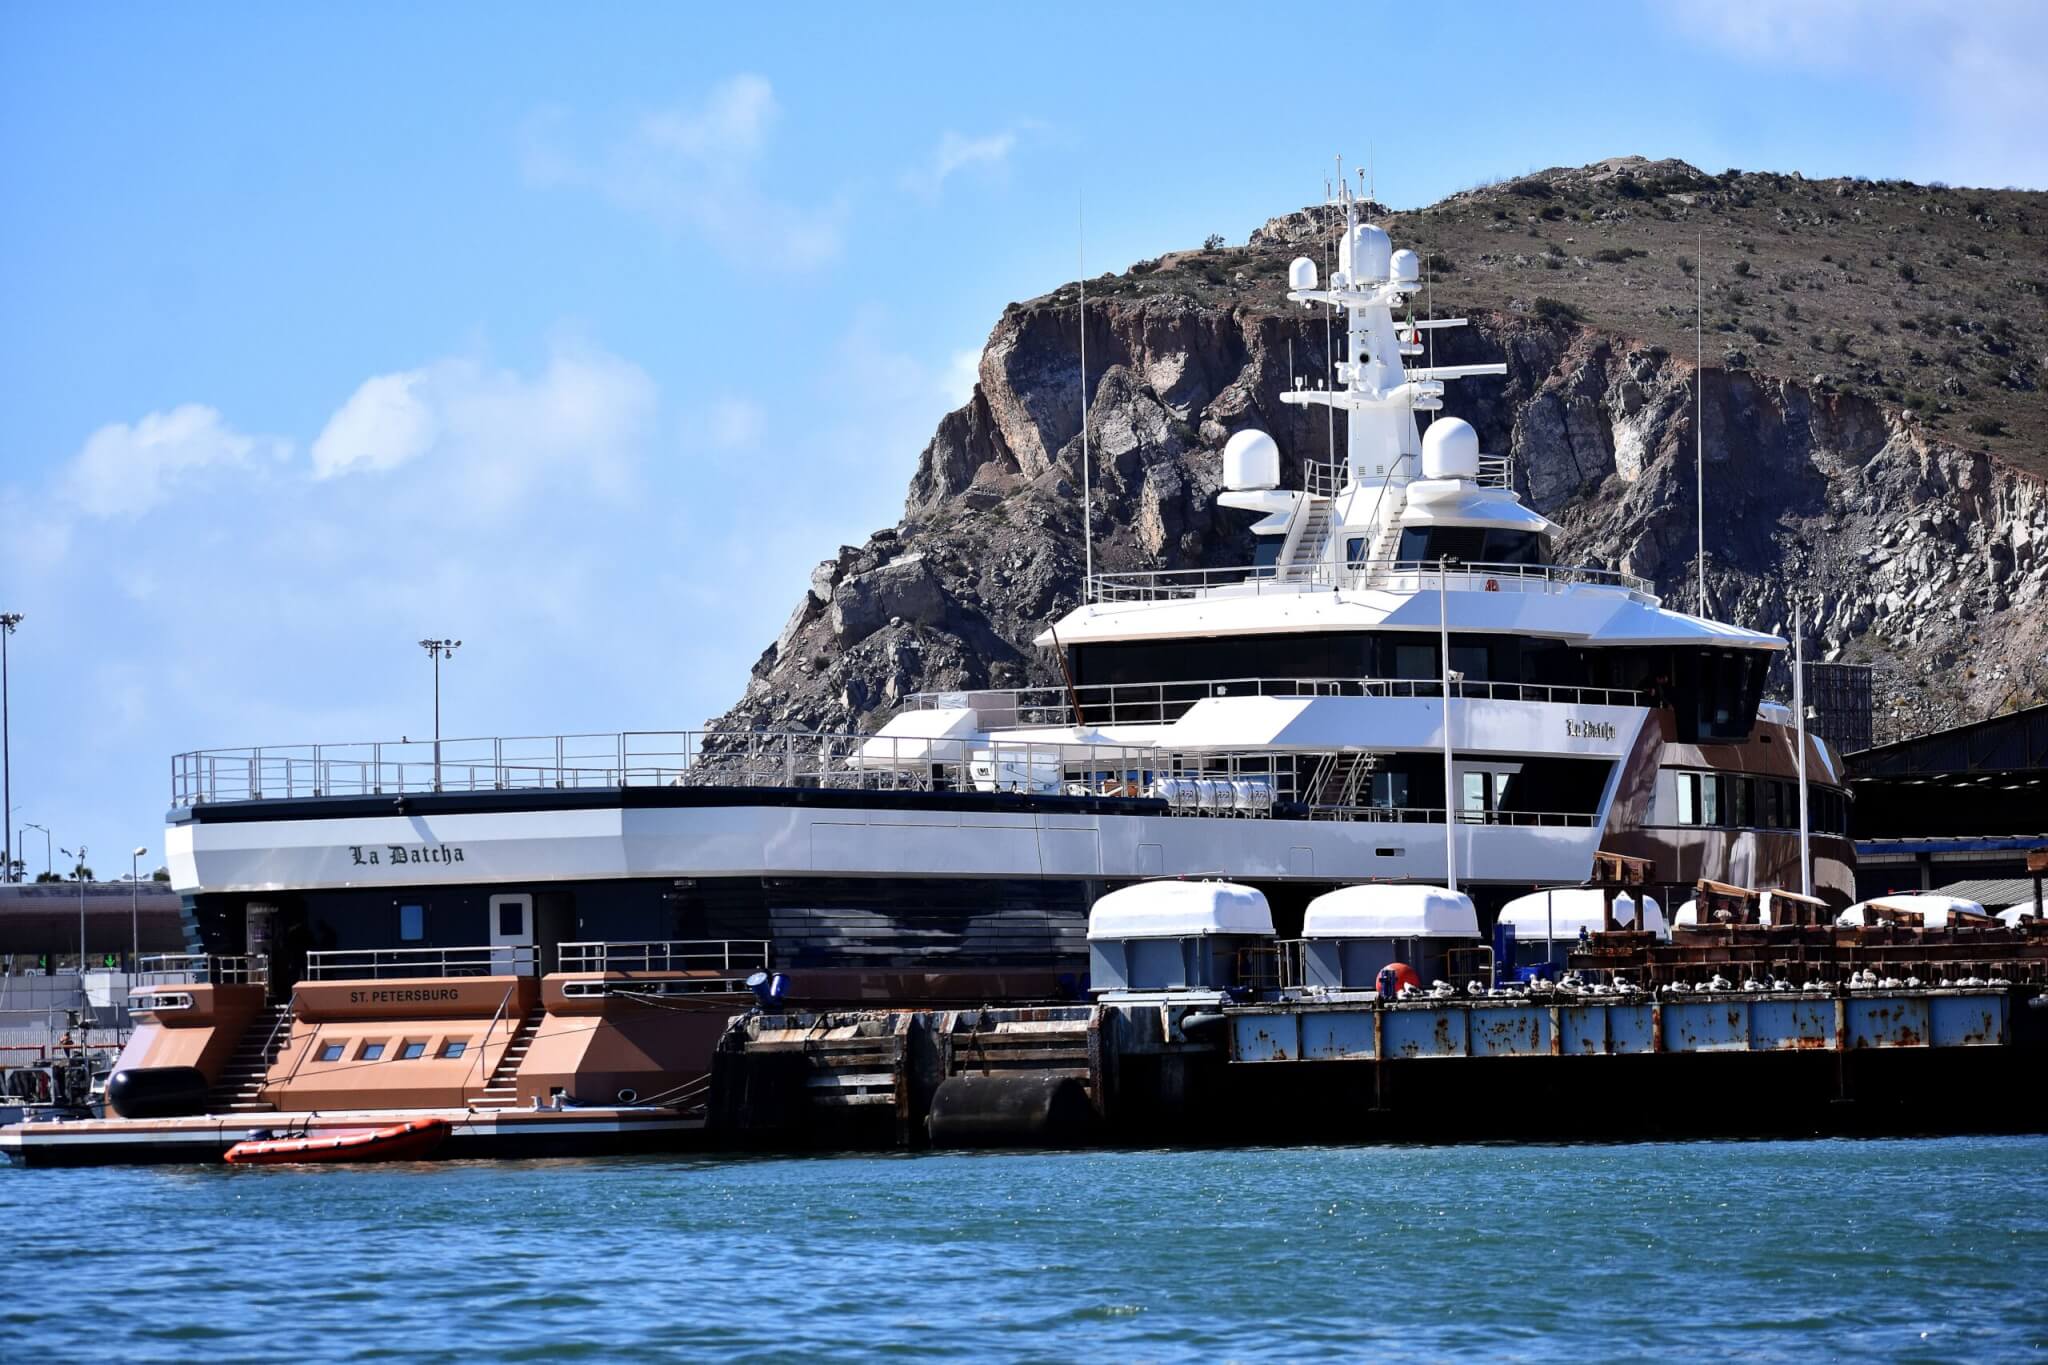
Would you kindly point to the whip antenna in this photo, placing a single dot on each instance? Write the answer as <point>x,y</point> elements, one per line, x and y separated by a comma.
<point>1699,420</point>
<point>1087,518</point>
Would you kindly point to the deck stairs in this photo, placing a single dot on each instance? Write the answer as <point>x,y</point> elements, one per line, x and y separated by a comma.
<point>1308,541</point>
<point>240,1087</point>
<point>1342,780</point>
<point>1386,542</point>
<point>500,1091</point>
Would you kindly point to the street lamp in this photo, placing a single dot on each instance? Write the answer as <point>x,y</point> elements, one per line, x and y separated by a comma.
<point>80,856</point>
<point>49,866</point>
<point>438,650</point>
<point>135,909</point>
<point>8,621</point>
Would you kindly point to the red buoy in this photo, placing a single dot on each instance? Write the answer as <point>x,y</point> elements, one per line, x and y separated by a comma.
<point>1404,975</point>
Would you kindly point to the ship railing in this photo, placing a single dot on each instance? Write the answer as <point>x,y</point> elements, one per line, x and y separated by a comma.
<point>1024,708</point>
<point>731,957</point>
<point>1167,585</point>
<point>1434,815</point>
<point>378,964</point>
<point>1416,575</point>
<point>1235,580</point>
<point>201,969</point>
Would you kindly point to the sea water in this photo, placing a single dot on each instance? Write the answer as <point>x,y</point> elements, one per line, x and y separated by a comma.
<point>1931,1249</point>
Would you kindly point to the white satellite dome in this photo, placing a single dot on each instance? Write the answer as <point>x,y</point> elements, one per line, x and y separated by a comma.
<point>1301,273</point>
<point>1251,460</point>
<point>1406,268</point>
<point>1450,450</point>
<point>1366,255</point>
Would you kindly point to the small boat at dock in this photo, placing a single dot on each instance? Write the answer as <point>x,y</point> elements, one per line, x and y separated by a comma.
<point>399,1142</point>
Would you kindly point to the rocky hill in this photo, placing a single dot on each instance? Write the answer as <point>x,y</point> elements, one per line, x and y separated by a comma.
<point>1876,431</point>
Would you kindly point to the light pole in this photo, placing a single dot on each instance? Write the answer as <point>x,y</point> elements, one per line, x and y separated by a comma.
<point>8,621</point>
<point>135,909</point>
<point>80,855</point>
<point>49,866</point>
<point>438,650</point>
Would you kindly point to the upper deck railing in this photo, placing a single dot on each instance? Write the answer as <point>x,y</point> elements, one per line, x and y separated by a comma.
<point>1397,575</point>
<point>1026,708</point>
<point>157,969</point>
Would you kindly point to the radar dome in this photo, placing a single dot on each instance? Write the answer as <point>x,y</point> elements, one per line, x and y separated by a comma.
<point>1301,274</point>
<point>1407,268</point>
<point>1365,254</point>
<point>1450,450</point>
<point>1251,460</point>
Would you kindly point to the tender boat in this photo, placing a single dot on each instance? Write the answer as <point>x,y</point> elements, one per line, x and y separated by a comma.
<point>399,1142</point>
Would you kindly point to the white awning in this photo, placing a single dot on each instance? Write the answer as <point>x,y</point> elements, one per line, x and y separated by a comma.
<point>1935,909</point>
<point>1384,911</point>
<point>1572,908</point>
<point>1178,909</point>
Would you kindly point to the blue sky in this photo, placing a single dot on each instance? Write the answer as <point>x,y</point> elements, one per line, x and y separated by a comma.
<point>583,334</point>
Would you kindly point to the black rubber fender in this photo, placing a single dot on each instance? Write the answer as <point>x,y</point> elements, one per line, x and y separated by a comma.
<point>1009,1111</point>
<point>157,1092</point>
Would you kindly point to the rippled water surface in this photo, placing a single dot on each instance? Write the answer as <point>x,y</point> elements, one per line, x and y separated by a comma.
<point>1934,1249</point>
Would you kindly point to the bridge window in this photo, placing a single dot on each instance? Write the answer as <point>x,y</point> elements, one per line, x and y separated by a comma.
<point>412,923</point>
<point>1472,545</point>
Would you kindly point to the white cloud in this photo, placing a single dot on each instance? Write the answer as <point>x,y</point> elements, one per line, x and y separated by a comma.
<point>383,424</point>
<point>696,170</point>
<point>735,424</point>
<point>956,153</point>
<point>123,470</point>
<point>587,414</point>
<point>1971,70</point>
<point>963,372</point>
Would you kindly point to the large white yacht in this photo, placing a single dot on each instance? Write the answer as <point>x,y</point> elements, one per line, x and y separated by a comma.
<point>1403,685</point>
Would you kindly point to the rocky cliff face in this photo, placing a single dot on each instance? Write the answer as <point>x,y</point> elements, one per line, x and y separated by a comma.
<point>1902,542</point>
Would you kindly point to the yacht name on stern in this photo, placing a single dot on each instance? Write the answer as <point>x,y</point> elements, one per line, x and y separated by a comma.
<point>361,855</point>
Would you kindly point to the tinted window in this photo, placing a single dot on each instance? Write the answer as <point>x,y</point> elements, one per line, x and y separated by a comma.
<point>330,1052</point>
<point>412,1050</point>
<point>412,923</point>
<point>511,919</point>
<point>371,1051</point>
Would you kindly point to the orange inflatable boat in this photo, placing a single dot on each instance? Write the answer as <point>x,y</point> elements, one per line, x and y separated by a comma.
<point>400,1142</point>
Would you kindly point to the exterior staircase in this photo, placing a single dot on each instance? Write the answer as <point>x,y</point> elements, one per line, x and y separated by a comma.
<point>240,1087</point>
<point>1342,780</point>
<point>1308,543</point>
<point>499,1090</point>
<point>1387,543</point>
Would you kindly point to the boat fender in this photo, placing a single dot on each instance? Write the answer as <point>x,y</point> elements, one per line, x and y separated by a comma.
<point>157,1092</point>
<point>1009,1111</point>
<point>629,1095</point>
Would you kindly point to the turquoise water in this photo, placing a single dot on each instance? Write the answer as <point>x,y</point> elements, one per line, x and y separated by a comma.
<point>1906,1249</point>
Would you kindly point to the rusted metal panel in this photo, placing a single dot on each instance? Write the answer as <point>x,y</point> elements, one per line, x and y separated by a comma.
<point>1337,1035</point>
<point>1632,1029</point>
<point>1510,1031</point>
<point>1967,1020</point>
<point>1888,1021</point>
<point>1582,1030</point>
<point>1720,1025</point>
<point>1426,1031</point>
<point>1263,1037</point>
<point>1781,1023</point>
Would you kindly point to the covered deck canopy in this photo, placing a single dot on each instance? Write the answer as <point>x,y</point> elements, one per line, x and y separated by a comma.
<point>1177,909</point>
<point>1389,911</point>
